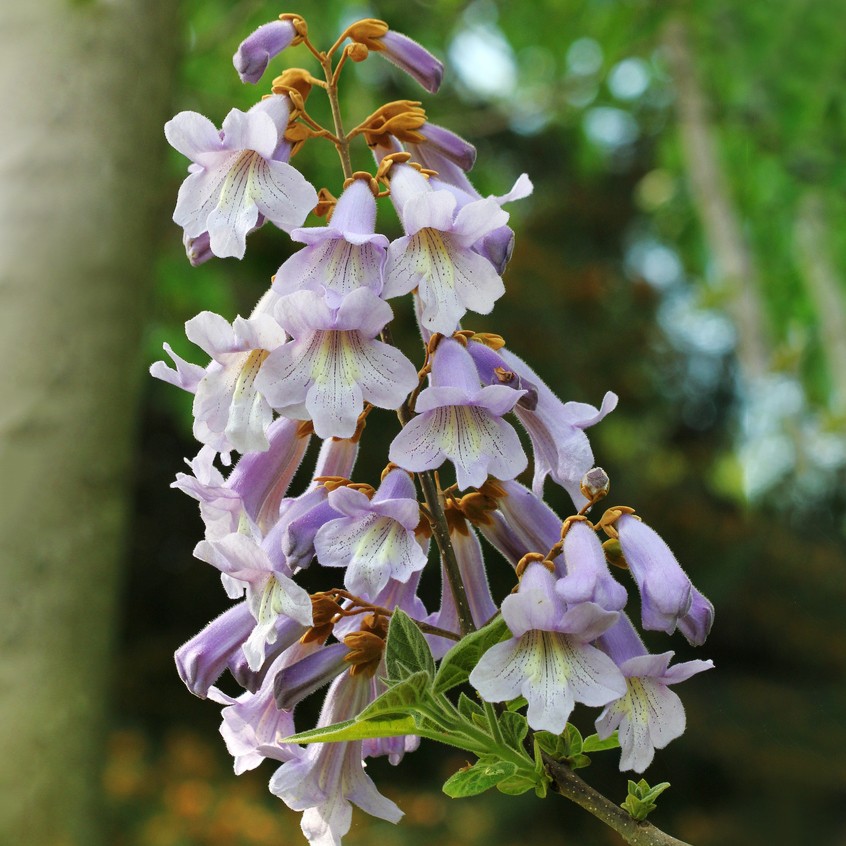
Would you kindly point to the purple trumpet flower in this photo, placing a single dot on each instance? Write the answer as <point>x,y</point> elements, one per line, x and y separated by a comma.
<point>650,715</point>
<point>253,723</point>
<point>461,421</point>
<point>258,48</point>
<point>301,517</point>
<point>494,370</point>
<point>668,599</point>
<point>436,254</point>
<point>549,660</point>
<point>255,486</point>
<point>587,578</point>
<point>400,50</point>
<point>240,173</point>
<point>471,565</point>
<point>229,412</point>
<point>334,364</point>
<point>202,660</point>
<point>329,777</point>
<point>300,678</point>
<point>495,246</point>
<point>374,538</point>
<point>556,430</point>
<point>341,257</point>
<point>522,523</point>
<point>270,593</point>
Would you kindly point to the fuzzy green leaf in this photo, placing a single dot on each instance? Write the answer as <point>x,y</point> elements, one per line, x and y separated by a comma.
<point>457,664</point>
<point>387,726</point>
<point>486,773</point>
<point>516,785</point>
<point>514,729</point>
<point>467,707</point>
<point>400,698</point>
<point>406,651</point>
<point>641,799</point>
<point>592,743</point>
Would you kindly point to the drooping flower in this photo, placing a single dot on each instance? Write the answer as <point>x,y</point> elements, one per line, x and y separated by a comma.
<point>257,49</point>
<point>668,599</point>
<point>436,254</point>
<point>549,660</point>
<point>270,593</point>
<point>400,50</point>
<point>334,364</point>
<point>650,715</point>
<point>461,421</point>
<point>329,778</point>
<point>204,658</point>
<point>522,523</point>
<point>238,173</point>
<point>586,577</point>
<point>344,255</point>
<point>253,723</point>
<point>254,488</point>
<point>374,539</point>
<point>556,429</point>
<point>229,412</point>
<point>471,566</point>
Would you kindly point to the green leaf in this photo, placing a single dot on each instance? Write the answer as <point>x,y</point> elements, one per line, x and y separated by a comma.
<point>552,744</point>
<point>592,743</point>
<point>467,707</point>
<point>516,786</point>
<point>517,704</point>
<point>457,664</point>
<point>486,773</point>
<point>401,697</point>
<point>573,742</point>
<point>514,729</point>
<point>406,651</point>
<point>389,726</point>
<point>577,762</point>
<point>641,799</point>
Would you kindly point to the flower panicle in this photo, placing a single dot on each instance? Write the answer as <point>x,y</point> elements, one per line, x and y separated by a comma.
<point>312,361</point>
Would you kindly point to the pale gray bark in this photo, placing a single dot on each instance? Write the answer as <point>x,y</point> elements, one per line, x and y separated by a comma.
<point>825,285</point>
<point>715,206</point>
<point>83,92</point>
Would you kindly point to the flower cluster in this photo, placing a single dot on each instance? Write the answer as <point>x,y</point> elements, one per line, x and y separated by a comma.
<point>310,362</point>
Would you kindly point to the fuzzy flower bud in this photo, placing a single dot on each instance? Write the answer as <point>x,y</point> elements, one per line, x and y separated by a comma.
<point>258,49</point>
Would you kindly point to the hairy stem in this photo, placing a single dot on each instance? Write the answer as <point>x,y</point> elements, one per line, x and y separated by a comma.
<point>569,785</point>
<point>342,144</point>
<point>440,528</point>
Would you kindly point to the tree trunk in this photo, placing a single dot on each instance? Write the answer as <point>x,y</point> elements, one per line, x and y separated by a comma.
<point>83,92</point>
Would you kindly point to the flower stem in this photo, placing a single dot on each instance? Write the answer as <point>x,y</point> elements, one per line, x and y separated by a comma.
<point>342,143</point>
<point>440,528</point>
<point>568,784</point>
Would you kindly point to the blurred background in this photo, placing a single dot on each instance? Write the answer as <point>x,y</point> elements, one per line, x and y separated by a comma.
<point>684,247</point>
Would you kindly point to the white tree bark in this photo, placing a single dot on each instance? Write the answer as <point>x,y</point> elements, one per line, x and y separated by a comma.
<point>83,92</point>
<point>715,206</point>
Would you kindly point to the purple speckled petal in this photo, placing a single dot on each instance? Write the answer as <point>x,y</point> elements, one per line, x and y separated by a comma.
<point>535,605</point>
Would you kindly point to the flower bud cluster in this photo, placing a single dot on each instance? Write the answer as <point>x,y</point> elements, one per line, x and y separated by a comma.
<point>310,363</point>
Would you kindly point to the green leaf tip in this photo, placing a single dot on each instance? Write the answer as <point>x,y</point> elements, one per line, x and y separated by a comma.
<point>641,799</point>
<point>406,651</point>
